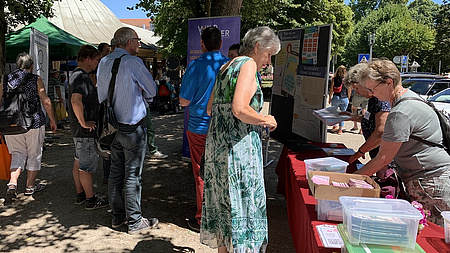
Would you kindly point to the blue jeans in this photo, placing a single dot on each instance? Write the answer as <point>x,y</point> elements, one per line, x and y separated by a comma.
<point>342,103</point>
<point>127,159</point>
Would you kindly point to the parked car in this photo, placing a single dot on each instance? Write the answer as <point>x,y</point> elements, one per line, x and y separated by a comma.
<point>423,75</point>
<point>442,101</point>
<point>426,87</point>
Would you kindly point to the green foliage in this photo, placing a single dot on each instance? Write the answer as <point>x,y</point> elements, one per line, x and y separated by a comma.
<point>424,11</point>
<point>442,51</point>
<point>25,11</point>
<point>170,18</point>
<point>14,12</point>
<point>361,8</point>
<point>396,34</point>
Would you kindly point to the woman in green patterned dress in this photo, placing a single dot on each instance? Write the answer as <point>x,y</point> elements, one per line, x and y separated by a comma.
<point>234,208</point>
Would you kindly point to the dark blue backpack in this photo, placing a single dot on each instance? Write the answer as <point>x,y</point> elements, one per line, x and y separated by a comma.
<point>15,114</point>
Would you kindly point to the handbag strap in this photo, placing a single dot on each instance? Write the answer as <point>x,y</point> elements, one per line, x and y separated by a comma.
<point>417,138</point>
<point>112,82</point>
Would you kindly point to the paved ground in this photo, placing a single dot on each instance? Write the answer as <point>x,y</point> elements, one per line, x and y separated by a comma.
<point>50,222</point>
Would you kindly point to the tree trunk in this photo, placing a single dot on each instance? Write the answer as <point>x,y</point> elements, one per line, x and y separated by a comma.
<point>226,7</point>
<point>3,29</point>
<point>197,9</point>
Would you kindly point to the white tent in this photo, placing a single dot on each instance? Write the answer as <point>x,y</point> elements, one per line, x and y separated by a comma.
<point>93,22</point>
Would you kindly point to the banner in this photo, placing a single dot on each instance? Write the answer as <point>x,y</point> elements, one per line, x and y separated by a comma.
<point>229,26</point>
<point>39,52</point>
<point>231,32</point>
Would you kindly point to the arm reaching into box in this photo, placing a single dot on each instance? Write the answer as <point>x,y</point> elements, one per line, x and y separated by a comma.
<point>387,152</point>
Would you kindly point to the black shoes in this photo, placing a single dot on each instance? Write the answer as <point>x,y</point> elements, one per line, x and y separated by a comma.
<point>193,225</point>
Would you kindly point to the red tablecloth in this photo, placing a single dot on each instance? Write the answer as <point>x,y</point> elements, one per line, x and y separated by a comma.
<point>292,183</point>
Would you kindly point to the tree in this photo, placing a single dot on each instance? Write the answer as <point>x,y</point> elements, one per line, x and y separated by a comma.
<point>361,8</point>
<point>396,34</point>
<point>424,11</point>
<point>170,17</point>
<point>442,50</point>
<point>299,13</point>
<point>14,12</point>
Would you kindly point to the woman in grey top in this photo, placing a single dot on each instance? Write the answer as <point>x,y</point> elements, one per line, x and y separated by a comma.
<point>425,169</point>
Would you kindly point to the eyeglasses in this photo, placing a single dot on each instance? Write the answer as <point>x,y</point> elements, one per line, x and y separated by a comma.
<point>371,90</point>
<point>139,39</point>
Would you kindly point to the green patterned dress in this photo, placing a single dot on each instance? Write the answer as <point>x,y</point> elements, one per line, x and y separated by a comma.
<point>234,206</point>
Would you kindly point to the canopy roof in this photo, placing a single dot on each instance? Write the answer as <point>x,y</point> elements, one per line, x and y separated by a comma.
<point>93,22</point>
<point>62,45</point>
<point>89,20</point>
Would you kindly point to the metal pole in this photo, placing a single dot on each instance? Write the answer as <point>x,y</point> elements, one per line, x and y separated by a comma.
<point>371,43</point>
<point>439,72</point>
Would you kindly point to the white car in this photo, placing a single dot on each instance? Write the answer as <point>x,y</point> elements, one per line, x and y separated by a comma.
<point>442,101</point>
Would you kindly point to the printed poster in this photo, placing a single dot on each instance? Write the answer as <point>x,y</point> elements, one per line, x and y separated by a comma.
<point>286,63</point>
<point>310,45</point>
<point>39,52</point>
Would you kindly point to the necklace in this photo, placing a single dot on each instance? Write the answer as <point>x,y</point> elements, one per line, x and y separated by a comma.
<point>398,93</point>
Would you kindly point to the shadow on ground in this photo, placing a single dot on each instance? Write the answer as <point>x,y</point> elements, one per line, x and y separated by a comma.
<point>49,221</point>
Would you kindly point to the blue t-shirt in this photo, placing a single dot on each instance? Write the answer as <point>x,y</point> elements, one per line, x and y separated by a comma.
<point>197,85</point>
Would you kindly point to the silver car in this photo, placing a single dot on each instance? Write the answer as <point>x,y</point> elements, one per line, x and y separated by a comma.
<point>442,101</point>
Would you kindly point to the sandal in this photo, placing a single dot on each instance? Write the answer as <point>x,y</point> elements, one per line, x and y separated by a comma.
<point>11,189</point>
<point>37,188</point>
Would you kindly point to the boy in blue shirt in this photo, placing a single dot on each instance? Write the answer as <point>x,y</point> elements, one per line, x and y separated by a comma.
<point>196,87</point>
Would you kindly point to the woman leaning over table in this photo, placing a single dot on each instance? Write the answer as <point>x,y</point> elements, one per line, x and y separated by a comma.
<point>374,118</point>
<point>234,208</point>
<point>425,169</point>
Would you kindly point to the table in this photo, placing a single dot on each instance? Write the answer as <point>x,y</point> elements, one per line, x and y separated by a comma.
<point>292,183</point>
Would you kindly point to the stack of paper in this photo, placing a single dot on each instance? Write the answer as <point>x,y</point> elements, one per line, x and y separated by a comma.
<point>330,115</point>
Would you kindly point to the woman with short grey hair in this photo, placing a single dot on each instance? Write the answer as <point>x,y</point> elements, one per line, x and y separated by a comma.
<point>262,36</point>
<point>412,137</point>
<point>234,207</point>
<point>26,148</point>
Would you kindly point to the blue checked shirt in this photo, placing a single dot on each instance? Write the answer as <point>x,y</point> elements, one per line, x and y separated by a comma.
<point>134,84</point>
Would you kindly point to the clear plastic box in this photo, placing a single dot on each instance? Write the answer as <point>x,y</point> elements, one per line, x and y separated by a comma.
<point>446,216</point>
<point>330,164</point>
<point>379,221</point>
<point>329,210</point>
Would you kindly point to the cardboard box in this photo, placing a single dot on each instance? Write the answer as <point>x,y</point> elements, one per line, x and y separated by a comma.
<point>330,192</point>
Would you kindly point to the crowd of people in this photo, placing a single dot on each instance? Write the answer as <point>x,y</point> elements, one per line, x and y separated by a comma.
<point>211,100</point>
<point>223,96</point>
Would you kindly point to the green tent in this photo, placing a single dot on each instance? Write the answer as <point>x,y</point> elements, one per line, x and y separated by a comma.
<point>62,45</point>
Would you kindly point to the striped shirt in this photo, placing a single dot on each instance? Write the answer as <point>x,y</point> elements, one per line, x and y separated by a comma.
<point>134,83</point>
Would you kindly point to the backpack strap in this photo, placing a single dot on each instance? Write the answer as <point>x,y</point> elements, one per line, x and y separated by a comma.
<point>417,138</point>
<point>112,82</point>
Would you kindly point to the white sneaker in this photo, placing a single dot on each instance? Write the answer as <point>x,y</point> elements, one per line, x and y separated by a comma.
<point>158,155</point>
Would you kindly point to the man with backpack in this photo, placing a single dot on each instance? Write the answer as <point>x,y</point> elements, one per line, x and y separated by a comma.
<point>133,84</point>
<point>26,147</point>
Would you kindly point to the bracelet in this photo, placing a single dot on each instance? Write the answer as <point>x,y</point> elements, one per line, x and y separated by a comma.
<point>359,151</point>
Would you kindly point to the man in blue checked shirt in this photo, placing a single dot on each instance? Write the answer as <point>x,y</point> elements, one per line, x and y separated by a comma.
<point>134,84</point>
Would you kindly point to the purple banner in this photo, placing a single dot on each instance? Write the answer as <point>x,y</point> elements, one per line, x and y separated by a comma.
<point>231,32</point>
<point>229,26</point>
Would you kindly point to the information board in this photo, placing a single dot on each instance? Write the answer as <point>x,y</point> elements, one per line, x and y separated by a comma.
<point>300,83</point>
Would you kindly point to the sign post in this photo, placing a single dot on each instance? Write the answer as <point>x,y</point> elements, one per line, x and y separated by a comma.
<point>363,58</point>
<point>404,65</point>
